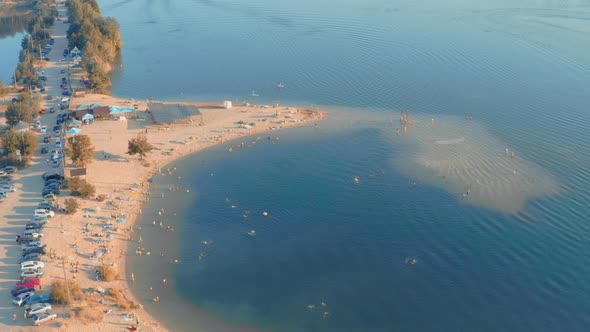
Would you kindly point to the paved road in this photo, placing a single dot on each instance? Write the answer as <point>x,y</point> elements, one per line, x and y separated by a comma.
<point>18,208</point>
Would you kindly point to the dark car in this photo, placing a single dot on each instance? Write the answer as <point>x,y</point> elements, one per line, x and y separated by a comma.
<point>51,175</point>
<point>24,239</point>
<point>34,251</point>
<point>46,139</point>
<point>57,127</point>
<point>53,185</point>
<point>6,177</point>
<point>34,225</point>
<point>45,149</point>
<point>30,257</point>
<point>66,93</point>
<point>43,78</point>
<point>20,290</point>
<point>9,169</point>
<point>53,191</point>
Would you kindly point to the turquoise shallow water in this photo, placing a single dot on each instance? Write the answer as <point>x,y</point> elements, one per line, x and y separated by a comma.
<point>522,70</point>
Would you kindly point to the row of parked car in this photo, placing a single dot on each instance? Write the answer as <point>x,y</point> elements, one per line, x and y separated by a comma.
<point>6,185</point>
<point>37,306</point>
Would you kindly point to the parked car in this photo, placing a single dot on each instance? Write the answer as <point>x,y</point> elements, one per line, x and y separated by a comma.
<point>49,190</point>
<point>38,299</point>
<point>25,239</point>
<point>9,169</point>
<point>35,225</point>
<point>59,186</point>
<point>47,206</point>
<point>34,251</point>
<point>46,139</point>
<point>36,309</point>
<point>34,233</point>
<point>21,290</point>
<point>2,198</point>
<point>8,187</point>
<point>40,220</point>
<point>31,273</point>
<point>52,175</point>
<point>30,257</point>
<point>42,111</point>
<point>6,178</point>
<point>33,244</point>
<point>50,198</point>
<point>32,265</point>
<point>20,299</point>
<point>45,150</point>
<point>43,129</point>
<point>44,317</point>
<point>43,213</point>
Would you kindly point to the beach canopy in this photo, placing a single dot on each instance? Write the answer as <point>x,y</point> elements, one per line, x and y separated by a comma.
<point>74,123</point>
<point>88,116</point>
<point>73,131</point>
<point>119,110</point>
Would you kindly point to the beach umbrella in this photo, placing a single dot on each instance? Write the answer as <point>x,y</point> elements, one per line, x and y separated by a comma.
<point>73,131</point>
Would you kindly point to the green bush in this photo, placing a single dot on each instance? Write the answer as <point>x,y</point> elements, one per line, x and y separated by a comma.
<point>59,293</point>
<point>71,205</point>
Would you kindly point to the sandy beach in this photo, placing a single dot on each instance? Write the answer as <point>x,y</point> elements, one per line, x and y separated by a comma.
<point>92,236</point>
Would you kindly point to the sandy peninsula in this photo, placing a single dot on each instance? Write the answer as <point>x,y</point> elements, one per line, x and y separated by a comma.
<point>92,236</point>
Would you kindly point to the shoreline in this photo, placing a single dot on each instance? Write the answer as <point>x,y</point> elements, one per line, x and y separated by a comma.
<point>219,134</point>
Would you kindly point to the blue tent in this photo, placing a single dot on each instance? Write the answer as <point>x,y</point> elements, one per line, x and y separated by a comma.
<point>118,110</point>
<point>73,131</point>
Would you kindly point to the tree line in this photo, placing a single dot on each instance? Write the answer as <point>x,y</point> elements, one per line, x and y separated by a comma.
<point>99,39</point>
<point>44,13</point>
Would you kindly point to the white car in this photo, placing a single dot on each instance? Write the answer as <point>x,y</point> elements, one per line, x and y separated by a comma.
<point>34,233</point>
<point>32,265</point>
<point>43,129</point>
<point>20,299</point>
<point>40,318</point>
<point>32,273</point>
<point>37,308</point>
<point>43,213</point>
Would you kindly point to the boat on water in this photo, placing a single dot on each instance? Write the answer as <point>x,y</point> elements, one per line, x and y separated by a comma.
<point>280,85</point>
<point>254,94</point>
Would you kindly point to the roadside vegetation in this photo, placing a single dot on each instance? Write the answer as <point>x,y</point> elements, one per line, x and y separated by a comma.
<point>25,142</point>
<point>44,13</point>
<point>80,187</point>
<point>25,107</point>
<point>97,37</point>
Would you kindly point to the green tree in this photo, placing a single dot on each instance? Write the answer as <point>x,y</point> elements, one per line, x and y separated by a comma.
<point>79,148</point>
<point>139,145</point>
<point>26,142</point>
<point>23,109</point>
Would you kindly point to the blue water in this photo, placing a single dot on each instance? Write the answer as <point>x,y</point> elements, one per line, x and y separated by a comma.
<point>9,49</point>
<point>521,69</point>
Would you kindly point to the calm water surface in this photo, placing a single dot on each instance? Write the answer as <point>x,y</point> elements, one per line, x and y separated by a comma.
<point>521,69</point>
